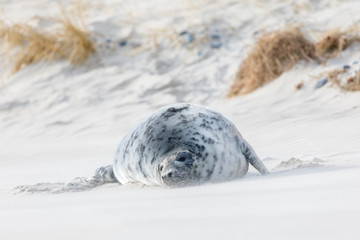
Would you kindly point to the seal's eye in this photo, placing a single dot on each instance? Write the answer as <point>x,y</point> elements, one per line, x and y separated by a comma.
<point>181,159</point>
<point>161,168</point>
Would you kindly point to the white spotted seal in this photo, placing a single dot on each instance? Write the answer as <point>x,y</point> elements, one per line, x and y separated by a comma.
<point>178,145</point>
<point>184,144</point>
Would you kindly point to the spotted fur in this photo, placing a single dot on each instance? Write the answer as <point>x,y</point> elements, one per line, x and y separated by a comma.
<point>217,151</point>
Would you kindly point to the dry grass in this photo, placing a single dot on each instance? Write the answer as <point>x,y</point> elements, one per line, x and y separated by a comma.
<point>279,51</point>
<point>25,44</point>
<point>299,86</point>
<point>333,42</point>
<point>273,54</point>
<point>352,83</point>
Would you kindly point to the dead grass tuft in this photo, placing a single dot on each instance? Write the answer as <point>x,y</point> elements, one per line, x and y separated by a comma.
<point>299,86</point>
<point>13,36</point>
<point>333,76</point>
<point>352,82</point>
<point>279,51</point>
<point>273,54</point>
<point>333,42</point>
<point>25,44</point>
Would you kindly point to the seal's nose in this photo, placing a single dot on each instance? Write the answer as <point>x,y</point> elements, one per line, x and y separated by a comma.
<point>168,175</point>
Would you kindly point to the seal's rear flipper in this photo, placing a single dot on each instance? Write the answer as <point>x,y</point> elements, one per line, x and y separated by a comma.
<point>105,174</point>
<point>252,158</point>
<point>102,176</point>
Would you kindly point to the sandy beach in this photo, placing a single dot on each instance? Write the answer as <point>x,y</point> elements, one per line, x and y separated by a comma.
<point>59,121</point>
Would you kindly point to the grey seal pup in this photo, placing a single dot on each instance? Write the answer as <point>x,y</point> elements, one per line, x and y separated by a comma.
<point>178,145</point>
<point>183,144</point>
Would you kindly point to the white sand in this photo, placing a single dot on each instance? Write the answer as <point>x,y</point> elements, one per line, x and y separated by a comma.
<point>58,122</point>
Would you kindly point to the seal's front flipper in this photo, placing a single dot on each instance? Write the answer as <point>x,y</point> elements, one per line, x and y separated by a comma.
<point>102,176</point>
<point>252,158</point>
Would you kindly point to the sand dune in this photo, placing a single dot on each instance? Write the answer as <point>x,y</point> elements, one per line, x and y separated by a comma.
<point>59,121</point>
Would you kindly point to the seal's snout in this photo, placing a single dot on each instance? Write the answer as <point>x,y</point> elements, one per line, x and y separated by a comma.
<point>176,169</point>
<point>167,176</point>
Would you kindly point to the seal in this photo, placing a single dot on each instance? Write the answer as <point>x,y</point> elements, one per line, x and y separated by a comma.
<point>181,145</point>
<point>178,145</point>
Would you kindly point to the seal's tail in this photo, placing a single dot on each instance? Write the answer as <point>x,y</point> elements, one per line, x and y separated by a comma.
<point>102,176</point>
<point>252,158</point>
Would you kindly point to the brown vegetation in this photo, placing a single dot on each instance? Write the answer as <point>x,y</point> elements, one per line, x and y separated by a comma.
<point>299,86</point>
<point>352,82</point>
<point>334,42</point>
<point>273,54</point>
<point>279,51</point>
<point>26,44</point>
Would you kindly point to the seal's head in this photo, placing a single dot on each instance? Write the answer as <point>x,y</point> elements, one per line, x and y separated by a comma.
<point>177,170</point>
